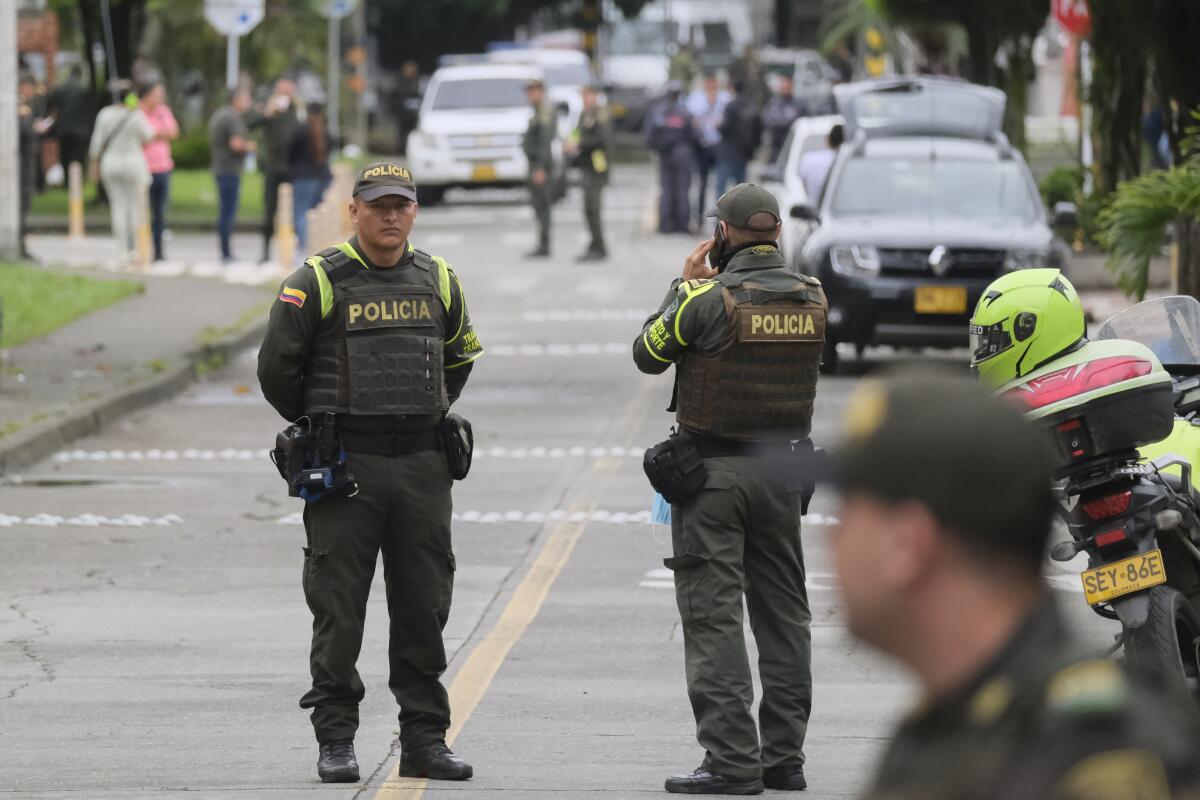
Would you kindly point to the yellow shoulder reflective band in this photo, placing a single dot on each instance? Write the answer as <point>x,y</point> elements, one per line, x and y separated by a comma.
<point>444,280</point>
<point>650,350</point>
<point>690,294</point>
<point>348,250</point>
<point>323,284</point>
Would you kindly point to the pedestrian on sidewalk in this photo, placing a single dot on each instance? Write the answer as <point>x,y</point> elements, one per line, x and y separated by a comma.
<point>538,145</point>
<point>308,165</point>
<point>590,146</point>
<point>707,106</point>
<point>348,344</point>
<point>781,111</point>
<point>279,121</point>
<point>741,133</point>
<point>946,511</point>
<point>28,152</point>
<point>229,143</point>
<point>71,106</point>
<point>119,161</point>
<point>671,134</point>
<point>744,335</point>
<point>158,158</point>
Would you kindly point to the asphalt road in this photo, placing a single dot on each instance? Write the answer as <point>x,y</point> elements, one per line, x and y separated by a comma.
<point>153,633</point>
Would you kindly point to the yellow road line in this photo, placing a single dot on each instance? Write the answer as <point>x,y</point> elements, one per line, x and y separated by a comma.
<point>473,679</point>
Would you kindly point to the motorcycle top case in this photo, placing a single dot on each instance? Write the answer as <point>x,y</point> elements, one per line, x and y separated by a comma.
<point>1104,399</point>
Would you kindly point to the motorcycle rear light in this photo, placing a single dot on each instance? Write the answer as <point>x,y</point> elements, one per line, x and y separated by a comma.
<point>1078,379</point>
<point>1110,506</point>
<point>1111,537</point>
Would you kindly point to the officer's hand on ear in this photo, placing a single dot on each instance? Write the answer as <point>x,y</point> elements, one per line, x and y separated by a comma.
<point>695,266</point>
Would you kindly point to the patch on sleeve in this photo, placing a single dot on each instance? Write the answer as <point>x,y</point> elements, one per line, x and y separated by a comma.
<point>293,296</point>
<point>1092,686</point>
<point>991,701</point>
<point>1116,775</point>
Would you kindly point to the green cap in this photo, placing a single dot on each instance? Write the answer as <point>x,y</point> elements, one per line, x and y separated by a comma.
<point>943,440</point>
<point>384,178</point>
<point>742,202</point>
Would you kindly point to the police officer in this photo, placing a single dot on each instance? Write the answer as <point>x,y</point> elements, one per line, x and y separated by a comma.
<point>946,509</point>
<point>745,338</point>
<point>538,146</point>
<point>590,145</point>
<point>376,333</point>
<point>671,133</point>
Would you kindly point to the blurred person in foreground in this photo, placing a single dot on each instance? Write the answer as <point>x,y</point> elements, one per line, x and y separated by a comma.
<point>229,142</point>
<point>945,515</point>
<point>158,157</point>
<point>118,160</point>
<point>671,134</point>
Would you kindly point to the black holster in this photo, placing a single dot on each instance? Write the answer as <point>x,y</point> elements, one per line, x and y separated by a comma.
<point>458,443</point>
<point>312,461</point>
<point>675,468</point>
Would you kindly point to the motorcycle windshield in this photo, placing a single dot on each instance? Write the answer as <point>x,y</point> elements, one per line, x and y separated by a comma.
<point>1170,326</point>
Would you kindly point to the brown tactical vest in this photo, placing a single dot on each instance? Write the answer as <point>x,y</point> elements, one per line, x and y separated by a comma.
<point>380,349</point>
<point>762,382</point>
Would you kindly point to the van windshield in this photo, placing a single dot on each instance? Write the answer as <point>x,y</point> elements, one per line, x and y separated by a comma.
<point>480,94</point>
<point>640,38</point>
<point>978,190</point>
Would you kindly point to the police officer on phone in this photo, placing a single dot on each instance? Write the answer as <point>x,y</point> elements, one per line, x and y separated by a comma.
<point>745,338</point>
<point>373,337</point>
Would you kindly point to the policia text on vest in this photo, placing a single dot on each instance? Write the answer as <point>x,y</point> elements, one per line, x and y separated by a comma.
<point>379,351</point>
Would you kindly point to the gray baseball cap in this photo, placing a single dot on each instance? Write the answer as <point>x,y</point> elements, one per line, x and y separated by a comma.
<point>384,178</point>
<point>742,202</point>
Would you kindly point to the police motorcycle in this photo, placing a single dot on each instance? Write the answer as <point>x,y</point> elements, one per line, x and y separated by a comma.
<point>1125,431</point>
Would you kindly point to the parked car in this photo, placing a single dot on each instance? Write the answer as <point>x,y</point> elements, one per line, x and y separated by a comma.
<point>566,71</point>
<point>470,127</point>
<point>812,75</point>
<point>925,205</point>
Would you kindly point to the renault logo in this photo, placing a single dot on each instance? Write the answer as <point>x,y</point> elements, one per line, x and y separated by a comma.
<point>940,260</point>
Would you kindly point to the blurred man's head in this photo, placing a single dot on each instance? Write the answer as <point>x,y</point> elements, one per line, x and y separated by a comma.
<point>27,87</point>
<point>535,92</point>
<point>837,135</point>
<point>152,95</point>
<point>286,87</point>
<point>241,100</point>
<point>711,84</point>
<point>410,69</point>
<point>787,87</point>
<point>946,495</point>
<point>591,96</point>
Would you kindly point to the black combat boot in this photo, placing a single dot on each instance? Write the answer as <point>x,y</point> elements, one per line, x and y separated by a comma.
<point>337,763</point>
<point>704,782</point>
<point>434,761</point>
<point>543,251</point>
<point>789,777</point>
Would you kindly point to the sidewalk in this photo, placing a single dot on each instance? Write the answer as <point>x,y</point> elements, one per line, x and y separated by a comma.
<point>77,379</point>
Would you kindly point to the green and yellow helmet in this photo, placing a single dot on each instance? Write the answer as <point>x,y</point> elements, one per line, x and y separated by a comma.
<point>1024,319</point>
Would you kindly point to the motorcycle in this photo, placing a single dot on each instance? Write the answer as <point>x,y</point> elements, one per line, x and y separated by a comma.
<point>1122,412</point>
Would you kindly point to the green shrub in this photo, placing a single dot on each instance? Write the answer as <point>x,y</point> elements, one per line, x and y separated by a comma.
<point>1061,185</point>
<point>191,151</point>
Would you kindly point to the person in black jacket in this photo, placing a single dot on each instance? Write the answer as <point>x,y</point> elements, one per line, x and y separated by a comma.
<point>671,133</point>
<point>741,132</point>
<point>308,164</point>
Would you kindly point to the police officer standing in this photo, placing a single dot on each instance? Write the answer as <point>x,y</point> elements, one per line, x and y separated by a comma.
<point>945,515</point>
<point>590,146</point>
<point>538,146</point>
<point>745,339</point>
<point>671,133</point>
<point>373,336</point>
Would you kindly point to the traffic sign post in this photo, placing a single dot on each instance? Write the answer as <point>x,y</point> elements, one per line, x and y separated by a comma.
<point>234,18</point>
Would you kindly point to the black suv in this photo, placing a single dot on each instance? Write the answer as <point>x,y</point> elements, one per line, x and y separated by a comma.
<point>925,205</point>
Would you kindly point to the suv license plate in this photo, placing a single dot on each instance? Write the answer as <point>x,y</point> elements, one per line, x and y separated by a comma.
<point>483,172</point>
<point>1124,576</point>
<point>940,300</point>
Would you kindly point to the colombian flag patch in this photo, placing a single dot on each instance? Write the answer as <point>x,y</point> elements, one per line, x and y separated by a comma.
<point>293,296</point>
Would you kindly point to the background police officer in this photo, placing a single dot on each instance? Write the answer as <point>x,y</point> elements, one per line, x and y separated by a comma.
<point>745,339</point>
<point>377,333</point>
<point>538,146</point>
<point>590,145</point>
<point>946,509</point>
<point>671,133</point>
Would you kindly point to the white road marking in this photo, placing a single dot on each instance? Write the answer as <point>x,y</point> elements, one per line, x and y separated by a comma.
<point>572,350</point>
<point>557,515</point>
<point>586,315</point>
<point>89,521</point>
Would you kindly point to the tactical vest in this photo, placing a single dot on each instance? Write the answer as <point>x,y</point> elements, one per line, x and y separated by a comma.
<point>379,349</point>
<point>762,382</point>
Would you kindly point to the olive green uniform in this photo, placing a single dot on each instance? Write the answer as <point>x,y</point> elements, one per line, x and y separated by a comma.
<point>1043,720</point>
<point>739,535</point>
<point>538,146</point>
<point>336,340</point>
<point>595,143</point>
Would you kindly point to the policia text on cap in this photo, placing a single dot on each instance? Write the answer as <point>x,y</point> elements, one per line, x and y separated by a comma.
<point>745,338</point>
<point>373,336</point>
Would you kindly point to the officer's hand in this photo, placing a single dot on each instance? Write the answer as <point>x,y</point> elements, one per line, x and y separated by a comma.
<point>538,177</point>
<point>694,266</point>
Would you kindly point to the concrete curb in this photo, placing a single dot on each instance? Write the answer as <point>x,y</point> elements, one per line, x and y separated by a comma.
<point>74,420</point>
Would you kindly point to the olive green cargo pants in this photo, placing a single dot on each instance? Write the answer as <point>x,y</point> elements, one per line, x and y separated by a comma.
<point>541,197</point>
<point>741,536</point>
<point>402,509</point>
<point>593,191</point>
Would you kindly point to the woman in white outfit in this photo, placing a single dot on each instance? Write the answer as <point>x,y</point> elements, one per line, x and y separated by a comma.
<point>117,157</point>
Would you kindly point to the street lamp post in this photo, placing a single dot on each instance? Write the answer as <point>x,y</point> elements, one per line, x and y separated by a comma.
<point>10,163</point>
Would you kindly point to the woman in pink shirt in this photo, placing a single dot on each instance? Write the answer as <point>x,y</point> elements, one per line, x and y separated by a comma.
<point>158,157</point>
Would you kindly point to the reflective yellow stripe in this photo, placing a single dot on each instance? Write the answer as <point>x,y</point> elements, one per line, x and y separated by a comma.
<point>348,250</point>
<point>646,341</point>
<point>323,284</point>
<point>462,317</point>
<point>683,305</point>
<point>467,361</point>
<point>444,281</point>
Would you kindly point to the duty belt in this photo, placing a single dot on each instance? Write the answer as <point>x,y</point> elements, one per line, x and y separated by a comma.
<point>393,444</point>
<point>711,447</point>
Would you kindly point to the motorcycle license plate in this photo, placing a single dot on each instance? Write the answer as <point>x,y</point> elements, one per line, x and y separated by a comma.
<point>483,172</point>
<point>940,300</point>
<point>1124,576</point>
